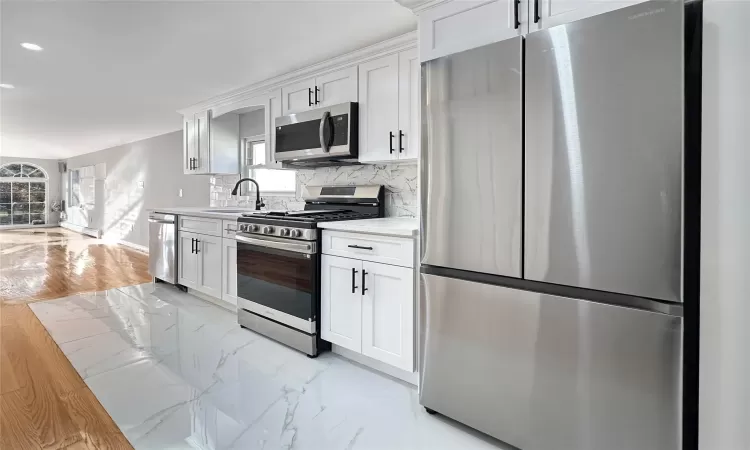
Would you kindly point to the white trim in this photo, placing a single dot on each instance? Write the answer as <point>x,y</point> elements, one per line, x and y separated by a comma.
<point>395,372</point>
<point>138,247</point>
<point>213,300</point>
<point>420,6</point>
<point>83,230</point>
<point>393,45</point>
<point>28,227</point>
<point>41,169</point>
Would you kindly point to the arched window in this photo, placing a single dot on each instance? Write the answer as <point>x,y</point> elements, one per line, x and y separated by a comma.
<point>23,194</point>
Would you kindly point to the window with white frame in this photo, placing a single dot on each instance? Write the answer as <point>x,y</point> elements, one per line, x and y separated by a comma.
<point>271,181</point>
<point>23,194</point>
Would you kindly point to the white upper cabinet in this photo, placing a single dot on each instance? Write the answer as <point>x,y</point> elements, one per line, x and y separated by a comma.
<point>202,126</point>
<point>378,109</point>
<point>336,87</point>
<point>409,87</point>
<point>549,13</point>
<point>339,86</point>
<point>389,108</point>
<point>298,97</point>
<point>211,144</point>
<point>189,144</point>
<point>274,111</point>
<point>460,25</point>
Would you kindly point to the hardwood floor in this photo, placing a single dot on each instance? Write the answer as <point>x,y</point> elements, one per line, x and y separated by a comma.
<point>49,263</point>
<point>44,403</point>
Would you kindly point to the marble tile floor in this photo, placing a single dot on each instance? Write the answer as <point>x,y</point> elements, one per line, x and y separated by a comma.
<point>176,372</point>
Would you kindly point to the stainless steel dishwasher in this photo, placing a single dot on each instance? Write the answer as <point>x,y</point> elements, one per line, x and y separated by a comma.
<point>162,247</point>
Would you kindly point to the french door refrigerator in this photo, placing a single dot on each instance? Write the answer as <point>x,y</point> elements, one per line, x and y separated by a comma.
<point>556,186</point>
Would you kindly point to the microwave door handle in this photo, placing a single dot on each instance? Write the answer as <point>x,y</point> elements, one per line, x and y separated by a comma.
<point>322,132</point>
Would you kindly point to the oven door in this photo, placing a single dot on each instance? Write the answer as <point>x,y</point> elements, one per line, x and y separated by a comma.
<point>278,279</point>
<point>323,133</point>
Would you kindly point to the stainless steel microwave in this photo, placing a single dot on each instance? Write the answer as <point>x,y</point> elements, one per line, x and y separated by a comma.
<point>320,137</point>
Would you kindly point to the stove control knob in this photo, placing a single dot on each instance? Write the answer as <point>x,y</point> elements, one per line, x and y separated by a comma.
<point>284,232</point>
<point>296,233</point>
<point>253,228</point>
<point>267,230</point>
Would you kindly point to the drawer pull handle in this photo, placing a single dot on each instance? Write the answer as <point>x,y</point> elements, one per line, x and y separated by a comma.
<point>360,247</point>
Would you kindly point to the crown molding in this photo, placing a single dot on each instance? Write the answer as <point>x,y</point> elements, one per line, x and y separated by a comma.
<point>393,45</point>
<point>419,6</point>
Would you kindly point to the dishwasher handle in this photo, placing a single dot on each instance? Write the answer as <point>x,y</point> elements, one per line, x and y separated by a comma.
<point>161,221</point>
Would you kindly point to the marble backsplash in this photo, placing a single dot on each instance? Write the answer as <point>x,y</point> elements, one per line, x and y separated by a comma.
<point>400,181</point>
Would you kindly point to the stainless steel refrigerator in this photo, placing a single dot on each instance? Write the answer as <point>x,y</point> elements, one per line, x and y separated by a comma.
<point>554,238</point>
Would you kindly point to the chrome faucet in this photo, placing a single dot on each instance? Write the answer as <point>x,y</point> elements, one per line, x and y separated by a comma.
<point>258,203</point>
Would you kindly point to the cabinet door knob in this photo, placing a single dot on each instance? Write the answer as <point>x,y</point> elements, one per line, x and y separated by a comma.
<point>316,95</point>
<point>309,97</point>
<point>390,140</point>
<point>364,274</point>
<point>400,141</point>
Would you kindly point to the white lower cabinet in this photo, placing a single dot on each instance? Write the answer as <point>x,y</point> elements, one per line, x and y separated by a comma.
<point>388,314</point>
<point>340,303</point>
<point>229,271</point>
<point>200,263</point>
<point>209,265</point>
<point>368,307</point>
<point>187,271</point>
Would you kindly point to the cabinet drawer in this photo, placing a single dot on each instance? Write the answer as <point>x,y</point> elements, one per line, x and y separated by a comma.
<point>382,249</point>
<point>201,225</point>
<point>229,228</point>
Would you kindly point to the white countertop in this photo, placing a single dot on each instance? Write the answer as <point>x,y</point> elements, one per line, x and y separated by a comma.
<point>211,213</point>
<point>388,226</point>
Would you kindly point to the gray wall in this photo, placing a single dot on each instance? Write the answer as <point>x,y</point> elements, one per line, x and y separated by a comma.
<point>53,187</point>
<point>725,221</point>
<point>253,123</point>
<point>121,212</point>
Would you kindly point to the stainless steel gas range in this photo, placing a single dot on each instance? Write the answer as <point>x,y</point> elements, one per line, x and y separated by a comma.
<point>278,263</point>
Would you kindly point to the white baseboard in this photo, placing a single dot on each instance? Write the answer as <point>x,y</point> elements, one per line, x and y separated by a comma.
<point>140,248</point>
<point>216,301</point>
<point>409,377</point>
<point>28,227</point>
<point>83,230</point>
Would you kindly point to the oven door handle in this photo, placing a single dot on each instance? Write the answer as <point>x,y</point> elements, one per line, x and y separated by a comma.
<point>296,247</point>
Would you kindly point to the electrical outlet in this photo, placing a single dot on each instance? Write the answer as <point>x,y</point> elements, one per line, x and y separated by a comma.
<point>140,184</point>
<point>179,193</point>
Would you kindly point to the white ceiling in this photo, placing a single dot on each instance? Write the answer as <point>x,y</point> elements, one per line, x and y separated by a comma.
<point>116,72</point>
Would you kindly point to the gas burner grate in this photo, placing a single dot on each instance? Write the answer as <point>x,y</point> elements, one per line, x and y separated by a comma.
<point>316,216</point>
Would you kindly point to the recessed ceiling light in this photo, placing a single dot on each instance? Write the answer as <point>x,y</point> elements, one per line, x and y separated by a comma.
<point>30,46</point>
<point>7,86</point>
